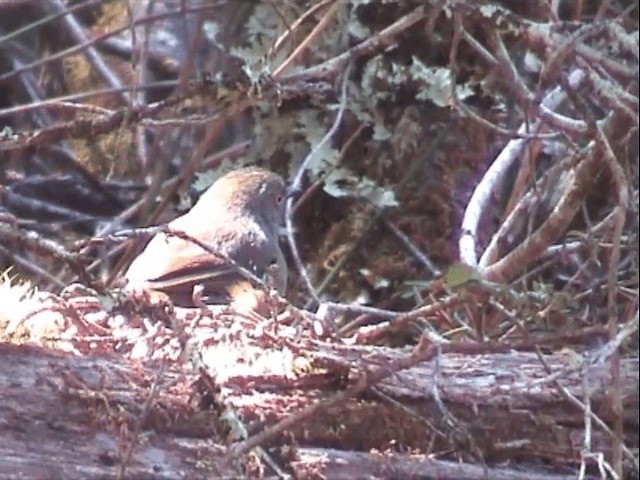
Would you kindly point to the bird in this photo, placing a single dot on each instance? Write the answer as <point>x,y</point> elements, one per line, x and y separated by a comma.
<point>239,217</point>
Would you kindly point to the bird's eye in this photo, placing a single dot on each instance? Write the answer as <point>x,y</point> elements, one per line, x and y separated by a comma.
<point>279,199</point>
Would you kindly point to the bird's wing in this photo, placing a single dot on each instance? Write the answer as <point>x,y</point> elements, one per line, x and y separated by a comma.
<point>180,264</point>
<point>201,268</point>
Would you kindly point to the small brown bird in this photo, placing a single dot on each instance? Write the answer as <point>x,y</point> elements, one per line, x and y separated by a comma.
<point>239,216</point>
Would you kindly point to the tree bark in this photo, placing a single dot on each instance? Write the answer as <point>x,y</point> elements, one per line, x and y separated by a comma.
<point>69,417</point>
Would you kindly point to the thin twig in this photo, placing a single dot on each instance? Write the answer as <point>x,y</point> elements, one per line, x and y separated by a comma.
<point>133,441</point>
<point>294,26</point>
<point>324,21</point>
<point>98,38</point>
<point>296,186</point>
<point>94,58</point>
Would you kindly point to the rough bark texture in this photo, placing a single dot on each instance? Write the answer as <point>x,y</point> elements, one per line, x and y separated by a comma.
<point>429,147</point>
<point>78,416</point>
